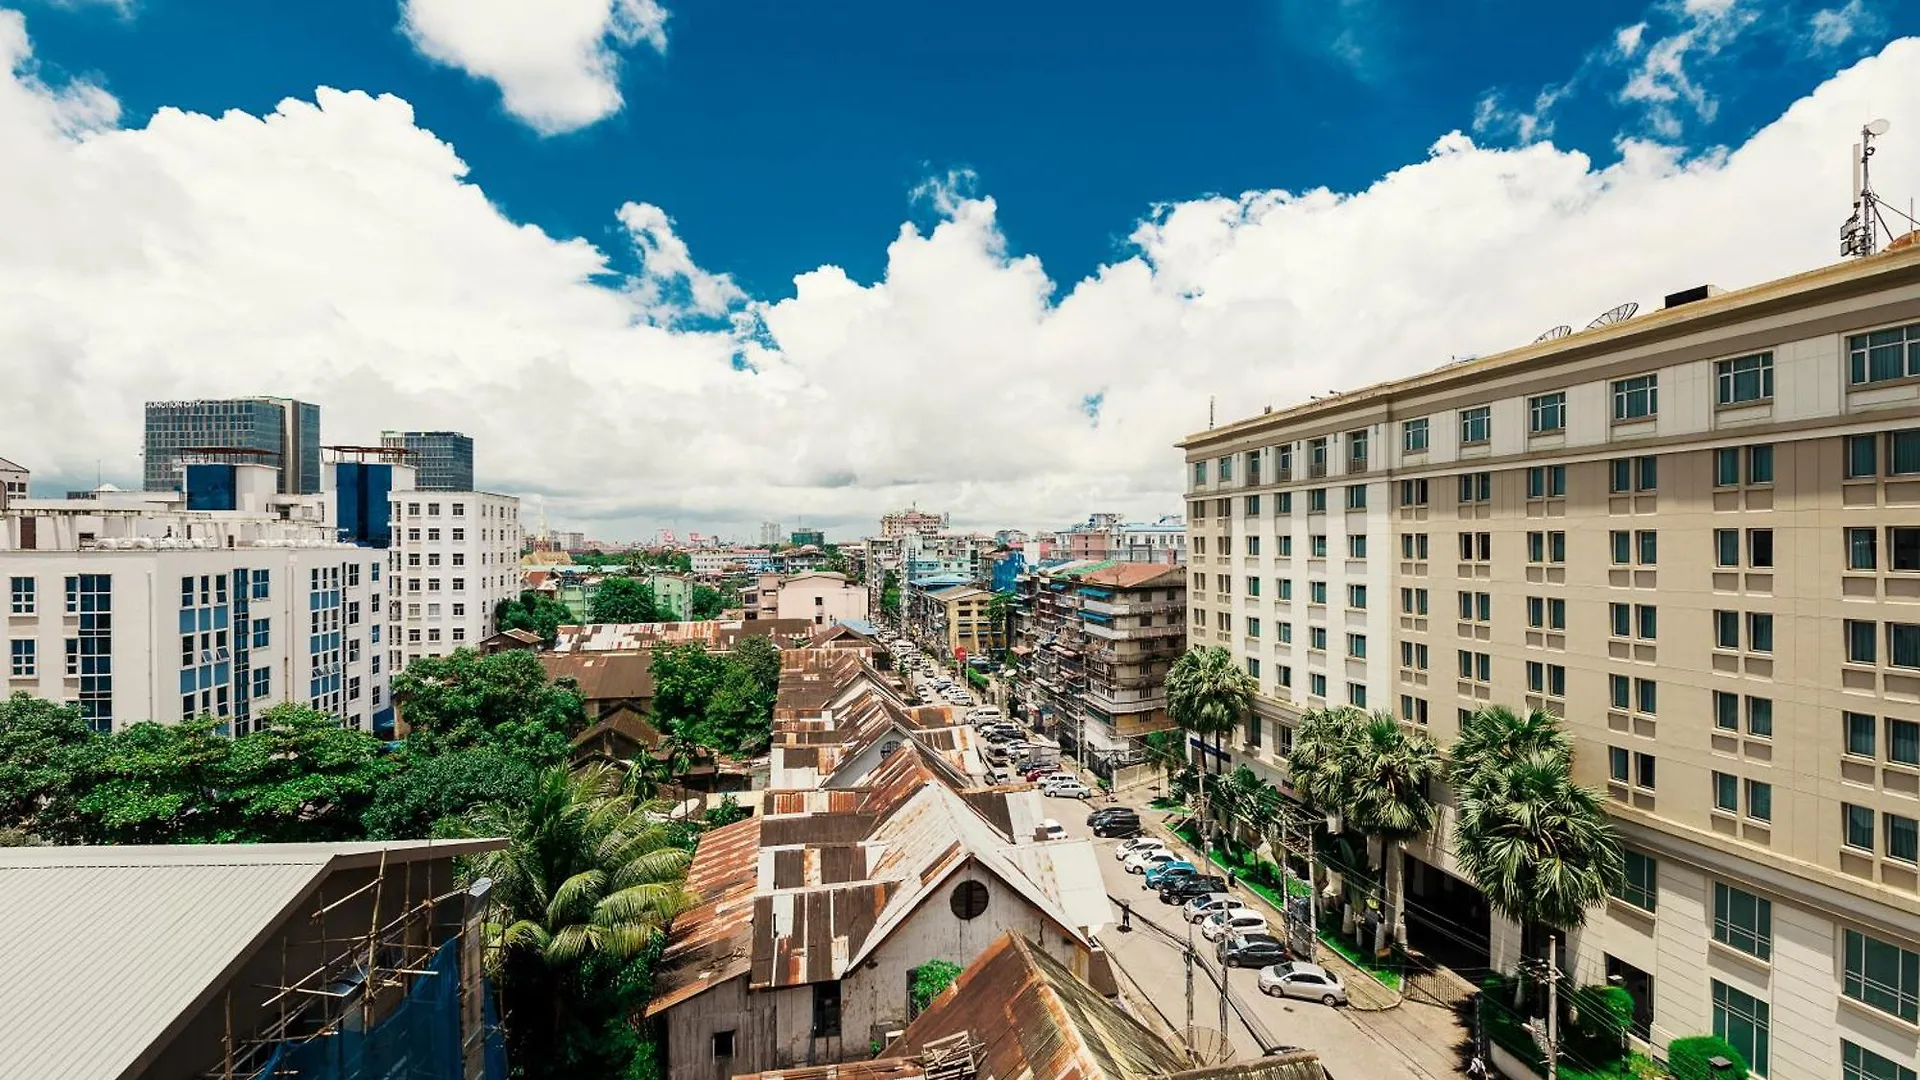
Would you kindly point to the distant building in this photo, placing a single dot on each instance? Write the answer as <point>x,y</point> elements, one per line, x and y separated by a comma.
<point>911,520</point>
<point>455,555</point>
<point>278,432</point>
<point>442,460</point>
<point>672,595</point>
<point>13,482</point>
<point>804,537</point>
<point>770,533</point>
<point>820,597</point>
<point>1106,536</point>
<point>949,617</point>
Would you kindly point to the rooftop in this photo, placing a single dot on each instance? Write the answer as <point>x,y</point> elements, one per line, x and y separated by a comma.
<point>716,634</point>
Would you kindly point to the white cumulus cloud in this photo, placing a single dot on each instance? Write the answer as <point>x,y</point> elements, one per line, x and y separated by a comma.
<point>335,251</point>
<point>1830,28</point>
<point>556,62</point>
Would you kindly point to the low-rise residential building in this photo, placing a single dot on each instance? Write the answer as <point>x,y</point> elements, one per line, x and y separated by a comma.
<point>672,595</point>
<point>1107,536</point>
<point>952,618</point>
<point>219,601</point>
<point>455,556</point>
<point>1093,644</point>
<point>716,635</point>
<point>13,482</point>
<point>820,597</point>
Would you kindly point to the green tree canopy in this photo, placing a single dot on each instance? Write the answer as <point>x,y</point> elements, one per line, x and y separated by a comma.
<point>1536,843</point>
<point>465,700</point>
<point>436,794</point>
<point>1207,693</point>
<point>43,746</point>
<point>623,600</point>
<point>533,611</point>
<point>890,593</point>
<point>721,701</point>
<point>707,603</point>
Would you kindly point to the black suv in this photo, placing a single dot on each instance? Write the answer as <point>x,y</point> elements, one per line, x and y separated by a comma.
<point>1183,889</point>
<point>1251,950</point>
<point>1119,823</point>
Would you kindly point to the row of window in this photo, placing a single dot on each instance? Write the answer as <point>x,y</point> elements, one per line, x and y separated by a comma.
<point>433,509</point>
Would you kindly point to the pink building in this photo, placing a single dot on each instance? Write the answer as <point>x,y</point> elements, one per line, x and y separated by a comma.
<point>821,597</point>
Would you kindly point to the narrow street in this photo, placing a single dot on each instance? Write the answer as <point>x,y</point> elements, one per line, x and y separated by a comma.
<point>1411,1042</point>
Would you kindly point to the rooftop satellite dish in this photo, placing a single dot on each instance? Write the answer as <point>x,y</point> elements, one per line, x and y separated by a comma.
<point>1878,127</point>
<point>1614,315</point>
<point>1554,334</point>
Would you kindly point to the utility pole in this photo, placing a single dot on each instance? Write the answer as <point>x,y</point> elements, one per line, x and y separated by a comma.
<point>1189,988</point>
<point>1553,1006</point>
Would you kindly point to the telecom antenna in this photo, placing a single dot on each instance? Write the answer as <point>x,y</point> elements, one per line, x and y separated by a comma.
<point>1860,236</point>
<point>1614,315</point>
<point>1554,334</point>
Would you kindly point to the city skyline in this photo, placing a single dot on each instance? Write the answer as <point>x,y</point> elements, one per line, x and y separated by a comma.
<point>1648,149</point>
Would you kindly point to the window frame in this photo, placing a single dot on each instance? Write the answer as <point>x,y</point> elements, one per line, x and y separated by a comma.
<point>1642,388</point>
<point>1728,373</point>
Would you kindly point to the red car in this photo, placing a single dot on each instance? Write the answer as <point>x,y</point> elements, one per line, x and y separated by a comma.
<point>1039,771</point>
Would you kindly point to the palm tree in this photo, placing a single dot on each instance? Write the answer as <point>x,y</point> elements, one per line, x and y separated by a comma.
<point>1495,736</point>
<point>1390,771</point>
<point>1240,793</point>
<point>1318,761</point>
<point>588,880</point>
<point>1538,845</point>
<point>1209,695</point>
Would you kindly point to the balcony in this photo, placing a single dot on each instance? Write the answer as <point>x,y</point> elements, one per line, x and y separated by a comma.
<point>1134,633</point>
<point>1132,607</point>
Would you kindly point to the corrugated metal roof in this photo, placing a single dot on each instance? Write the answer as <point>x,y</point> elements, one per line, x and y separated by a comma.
<point>105,947</point>
<point>716,634</point>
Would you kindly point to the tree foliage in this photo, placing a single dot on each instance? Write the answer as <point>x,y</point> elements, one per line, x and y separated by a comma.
<point>929,979</point>
<point>505,700</point>
<point>437,794</point>
<point>584,891</point>
<point>533,611</point>
<point>890,593</point>
<point>1538,845</point>
<point>722,701</point>
<point>623,600</point>
<point>1207,693</point>
<point>707,603</point>
<point>41,744</point>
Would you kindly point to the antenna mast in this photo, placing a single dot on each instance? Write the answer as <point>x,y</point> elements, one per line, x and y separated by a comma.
<point>1860,236</point>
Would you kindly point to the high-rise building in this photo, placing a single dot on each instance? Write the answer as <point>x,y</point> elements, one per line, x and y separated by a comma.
<point>802,537</point>
<point>143,607</point>
<point>912,520</point>
<point>454,556</point>
<point>279,432</point>
<point>1695,535</point>
<point>442,460</point>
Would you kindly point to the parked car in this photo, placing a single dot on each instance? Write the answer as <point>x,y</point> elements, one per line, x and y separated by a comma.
<point>1219,925</point>
<point>1200,907</point>
<point>1186,888</point>
<point>1139,845</point>
<point>1251,950</point>
<point>1142,861</point>
<point>1297,979</point>
<point>1038,773</point>
<point>1053,830</point>
<point>1117,825</point>
<point>1167,872</point>
<point>1068,788</point>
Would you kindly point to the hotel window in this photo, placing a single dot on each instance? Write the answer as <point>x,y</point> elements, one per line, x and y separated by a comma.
<point>1357,546</point>
<point>1641,885</point>
<point>1882,975</point>
<point>1253,467</point>
<point>1547,414</point>
<point>1476,607</point>
<point>1903,839</point>
<point>1286,633</point>
<point>1549,613</point>
<point>1759,631</point>
<point>1741,1019</point>
<point>1903,453</point>
<point>1634,474</point>
<point>1476,425</point>
<point>1476,547</point>
<point>1726,792</point>
<point>1546,481</point>
<point>1643,771</point>
<point>1413,493</point>
<point>1863,459</point>
<point>1860,1063</point>
<point>1317,546</point>
<point>1356,496</point>
<point>1645,544</point>
<point>1413,710</point>
<point>1617,764</point>
<point>1253,626</point>
<point>21,658</point>
<point>1476,487</point>
<point>1223,620</point>
<point>1880,355</point>
<point>1357,451</point>
<point>1413,545</point>
<point>1726,711</point>
<point>1759,800</point>
<point>1285,678</point>
<point>1253,587</point>
<point>1862,642</point>
<point>1316,500</point>
<point>1283,462</point>
<point>1253,545</point>
<point>1317,685</point>
<point>1199,473</point>
<point>1857,827</point>
<point>1357,646</point>
<point>1861,734</point>
<point>1413,601</point>
<point>21,597</point>
<point>1286,588</point>
<point>1863,551</point>
<point>1357,597</point>
<point>1223,469</point>
<point>1316,592</point>
<point>1199,545</point>
<point>1253,506</point>
<point>1636,398</point>
<point>1413,656</point>
<point>1413,436</point>
<point>1742,920</point>
<point>1903,645</point>
<point>1548,679</point>
<point>1253,670</point>
<point>1197,509</point>
<point>1222,509</point>
<point>1903,742</point>
<point>1317,638</point>
<point>1316,458</point>
<point>1903,548</point>
<point>1749,378</point>
<point>1547,547</point>
<point>1476,666</point>
<point>1286,547</point>
<point>1760,548</point>
<point>1285,504</point>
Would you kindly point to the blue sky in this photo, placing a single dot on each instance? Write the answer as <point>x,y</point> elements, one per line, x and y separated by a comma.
<point>700,265</point>
<point>783,135</point>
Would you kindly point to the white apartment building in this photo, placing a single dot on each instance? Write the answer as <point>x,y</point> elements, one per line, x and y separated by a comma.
<point>1694,535</point>
<point>135,608</point>
<point>455,556</point>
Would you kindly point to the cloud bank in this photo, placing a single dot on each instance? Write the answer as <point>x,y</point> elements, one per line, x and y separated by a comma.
<point>335,251</point>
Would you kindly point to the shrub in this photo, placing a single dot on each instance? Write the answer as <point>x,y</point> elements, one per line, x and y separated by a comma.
<point>929,979</point>
<point>1687,1059</point>
<point>1596,1022</point>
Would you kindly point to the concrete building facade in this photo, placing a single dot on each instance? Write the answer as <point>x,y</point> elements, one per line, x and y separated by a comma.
<point>821,597</point>
<point>278,432</point>
<point>1695,535</point>
<point>455,555</point>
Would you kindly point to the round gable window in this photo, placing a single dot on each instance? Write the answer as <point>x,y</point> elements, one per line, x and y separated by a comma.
<point>969,899</point>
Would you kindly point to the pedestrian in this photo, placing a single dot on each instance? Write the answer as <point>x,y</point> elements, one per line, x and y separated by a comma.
<point>1232,877</point>
<point>1476,1068</point>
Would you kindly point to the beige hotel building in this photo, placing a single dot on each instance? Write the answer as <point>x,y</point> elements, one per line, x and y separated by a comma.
<point>1695,535</point>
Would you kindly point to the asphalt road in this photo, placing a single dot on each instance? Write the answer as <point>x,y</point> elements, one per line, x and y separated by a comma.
<point>1154,962</point>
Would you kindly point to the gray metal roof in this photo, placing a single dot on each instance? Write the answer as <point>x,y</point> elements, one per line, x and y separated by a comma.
<point>105,948</point>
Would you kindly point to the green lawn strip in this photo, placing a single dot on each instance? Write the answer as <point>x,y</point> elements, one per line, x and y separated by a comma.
<point>1386,977</point>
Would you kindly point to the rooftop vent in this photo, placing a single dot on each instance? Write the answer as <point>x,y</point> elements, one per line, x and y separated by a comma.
<point>1688,296</point>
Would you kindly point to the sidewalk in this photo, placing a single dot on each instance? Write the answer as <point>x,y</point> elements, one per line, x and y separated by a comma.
<point>1364,992</point>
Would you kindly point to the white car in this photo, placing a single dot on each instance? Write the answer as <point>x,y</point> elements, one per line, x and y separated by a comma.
<point>1066,789</point>
<point>1233,921</point>
<point>1296,979</point>
<point>1053,830</point>
<point>1201,907</point>
<point>1140,844</point>
<point>1142,861</point>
